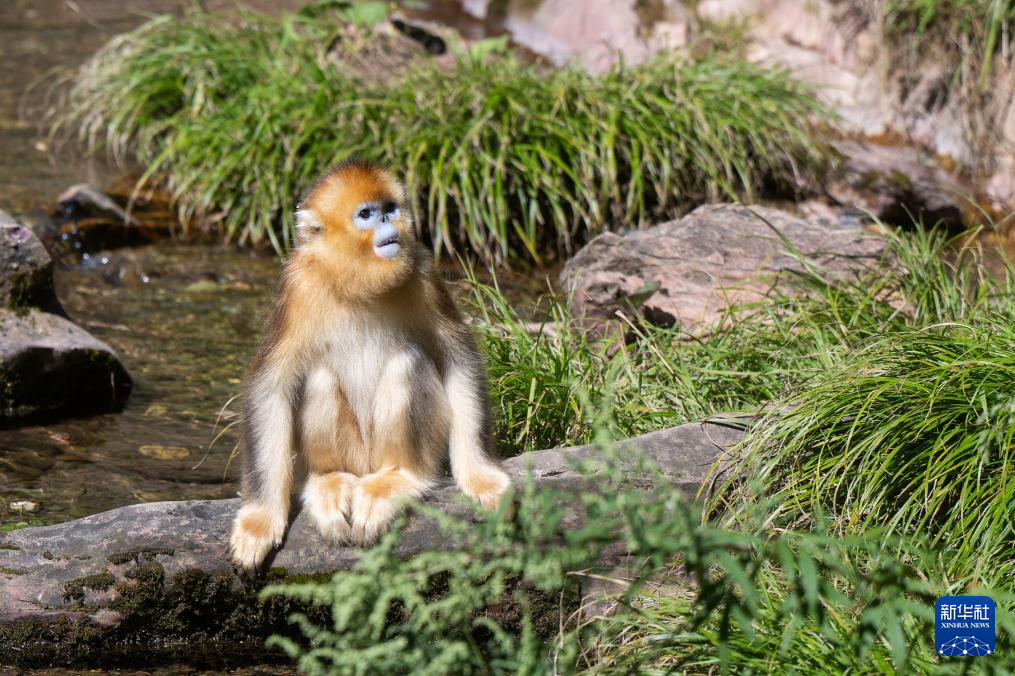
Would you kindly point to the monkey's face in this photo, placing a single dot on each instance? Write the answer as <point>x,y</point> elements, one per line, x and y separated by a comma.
<point>381,220</point>
<point>355,225</point>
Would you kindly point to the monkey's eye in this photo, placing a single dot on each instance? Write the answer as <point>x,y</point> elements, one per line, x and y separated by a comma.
<point>365,213</point>
<point>390,208</point>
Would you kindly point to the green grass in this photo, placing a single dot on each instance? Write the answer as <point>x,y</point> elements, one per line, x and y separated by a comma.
<point>914,435</point>
<point>503,160</point>
<point>660,635</point>
<point>895,409</point>
<point>909,430</point>
<point>887,450</point>
<point>553,383</point>
<point>880,478</point>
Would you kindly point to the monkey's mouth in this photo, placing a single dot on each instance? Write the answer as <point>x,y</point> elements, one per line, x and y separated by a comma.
<point>388,245</point>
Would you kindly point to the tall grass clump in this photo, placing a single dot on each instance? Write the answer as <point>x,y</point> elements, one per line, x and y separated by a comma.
<point>503,159</point>
<point>912,432</point>
<point>914,435</point>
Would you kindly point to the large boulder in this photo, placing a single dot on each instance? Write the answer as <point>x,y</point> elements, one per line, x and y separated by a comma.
<point>26,269</point>
<point>49,364</point>
<point>691,269</point>
<point>151,582</point>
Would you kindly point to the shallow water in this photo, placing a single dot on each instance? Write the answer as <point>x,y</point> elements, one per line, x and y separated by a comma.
<point>183,318</point>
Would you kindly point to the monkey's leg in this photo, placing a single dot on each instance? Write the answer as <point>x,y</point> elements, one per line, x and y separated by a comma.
<point>331,446</point>
<point>261,522</point>
<point>377,497</point>
<point>476,474</point>
<point>406,413</point>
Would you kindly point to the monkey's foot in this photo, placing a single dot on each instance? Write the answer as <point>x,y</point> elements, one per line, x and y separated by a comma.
<point>377,498</point>
<point>256,531</point>
<point>328,499</point>
<point>487,486</point>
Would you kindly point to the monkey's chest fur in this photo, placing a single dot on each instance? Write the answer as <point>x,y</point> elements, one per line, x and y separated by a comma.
<point>373,398</point>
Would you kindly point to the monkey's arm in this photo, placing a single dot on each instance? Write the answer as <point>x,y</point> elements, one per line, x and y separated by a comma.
<point>470,443</point>
<point>271,399</point>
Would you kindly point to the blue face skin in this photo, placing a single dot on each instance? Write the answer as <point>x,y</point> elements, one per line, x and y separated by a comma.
<point>380,217</point>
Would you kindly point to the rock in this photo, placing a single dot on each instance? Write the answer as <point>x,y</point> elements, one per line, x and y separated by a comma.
<point>596,33</point>
<point>879,86</point>
<point>691,269</point>
<point>89,220</point>
<point>26,269</point>
<point>47,364</point>
<point>24,505</point>
<point>50,365</point>
<point>895,184</point>
<point>156,574</point>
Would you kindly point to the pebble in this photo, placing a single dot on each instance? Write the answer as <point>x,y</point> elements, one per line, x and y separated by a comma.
<point>24,505</point>
<point>164,452</point>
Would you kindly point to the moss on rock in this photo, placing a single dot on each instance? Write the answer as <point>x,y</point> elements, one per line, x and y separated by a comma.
<point>74,590</point>
<point>207,620</point>
<point>137,554</point>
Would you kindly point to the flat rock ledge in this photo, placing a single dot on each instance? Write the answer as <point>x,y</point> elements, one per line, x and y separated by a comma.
<point>150,584</point>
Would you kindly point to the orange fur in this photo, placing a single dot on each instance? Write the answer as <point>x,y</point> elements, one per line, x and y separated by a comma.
<point>335,481</point>
<point>480,485</point>
<point>254,525</point>
<point>366,377</point>
<point>383,484</point>
<point>341,260</point>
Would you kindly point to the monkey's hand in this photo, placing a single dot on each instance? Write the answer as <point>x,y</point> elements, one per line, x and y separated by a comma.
<point>256,531</point>
<point>486,485</point>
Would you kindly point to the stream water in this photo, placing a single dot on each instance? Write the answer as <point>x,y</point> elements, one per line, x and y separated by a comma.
<point>184,318</point>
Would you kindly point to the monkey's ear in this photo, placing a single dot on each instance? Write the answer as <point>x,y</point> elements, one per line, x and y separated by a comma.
<point>308,225</point>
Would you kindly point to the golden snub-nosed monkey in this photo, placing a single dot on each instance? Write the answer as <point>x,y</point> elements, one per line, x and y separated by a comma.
<point>367,378</point>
